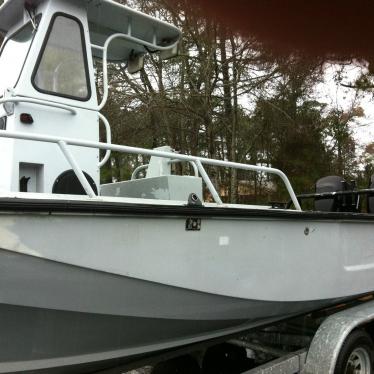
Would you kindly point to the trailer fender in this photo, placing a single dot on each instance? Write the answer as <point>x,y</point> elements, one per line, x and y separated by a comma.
<point>329,338</point>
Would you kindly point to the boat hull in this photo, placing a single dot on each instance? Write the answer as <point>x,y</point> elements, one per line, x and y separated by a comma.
<point>55,316</point>
<point>89,289</point>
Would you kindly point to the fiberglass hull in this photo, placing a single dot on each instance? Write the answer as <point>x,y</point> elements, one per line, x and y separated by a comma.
<point>85,287</point>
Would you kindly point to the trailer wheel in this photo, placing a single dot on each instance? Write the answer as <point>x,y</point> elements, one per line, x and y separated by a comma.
<point>179,365</point>
<point>226,358</point>
<point>356,355</point>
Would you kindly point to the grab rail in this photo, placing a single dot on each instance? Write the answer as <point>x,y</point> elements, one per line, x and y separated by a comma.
<point>199,161</point>
<point>196,171</point>
<point>108,132</point>
<point>50,104</point>
<point>137,170</point>
<point>39,102</point>
<point>144,167</point>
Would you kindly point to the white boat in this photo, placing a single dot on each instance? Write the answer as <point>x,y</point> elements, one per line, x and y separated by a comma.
<point>92,276</point>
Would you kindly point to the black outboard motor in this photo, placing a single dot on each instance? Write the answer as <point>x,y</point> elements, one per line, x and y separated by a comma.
<point>339,202</point>
<point>371,196</point>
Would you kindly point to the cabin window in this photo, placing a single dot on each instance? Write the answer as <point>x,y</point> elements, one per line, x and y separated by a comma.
<point>62,66</point>
<point>13,56</point>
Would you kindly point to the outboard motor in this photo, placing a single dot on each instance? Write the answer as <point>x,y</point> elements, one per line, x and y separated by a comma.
<point>371,196</point>
<point>338,203</point>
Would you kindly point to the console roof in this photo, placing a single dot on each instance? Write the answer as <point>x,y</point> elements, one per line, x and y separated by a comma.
<point>105,18</point>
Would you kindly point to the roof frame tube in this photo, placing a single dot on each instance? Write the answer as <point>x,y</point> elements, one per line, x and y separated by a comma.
<point>132,39</point>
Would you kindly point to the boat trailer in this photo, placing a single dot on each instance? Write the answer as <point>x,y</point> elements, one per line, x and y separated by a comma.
<point>339,341</point>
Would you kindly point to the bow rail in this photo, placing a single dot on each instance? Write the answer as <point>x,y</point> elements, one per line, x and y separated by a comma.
<point>198,161</point>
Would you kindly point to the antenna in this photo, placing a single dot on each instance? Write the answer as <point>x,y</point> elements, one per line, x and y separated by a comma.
<point>30,9</point>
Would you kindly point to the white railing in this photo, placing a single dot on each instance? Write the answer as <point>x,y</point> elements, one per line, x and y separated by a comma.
<point>108,133</point>
<point>71,110</point>
<point>198,161</point>
<point>128,37</point>
<point>15,100</point>
<point>140,168</point>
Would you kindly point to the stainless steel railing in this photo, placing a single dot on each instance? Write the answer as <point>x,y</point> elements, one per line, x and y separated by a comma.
<point>198,161</point>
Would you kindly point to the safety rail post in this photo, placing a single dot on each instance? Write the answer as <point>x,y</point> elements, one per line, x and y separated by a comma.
<point>290,190</point>
<point>255,168</point>
<point>77,170</point>
<point>208,182</point>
